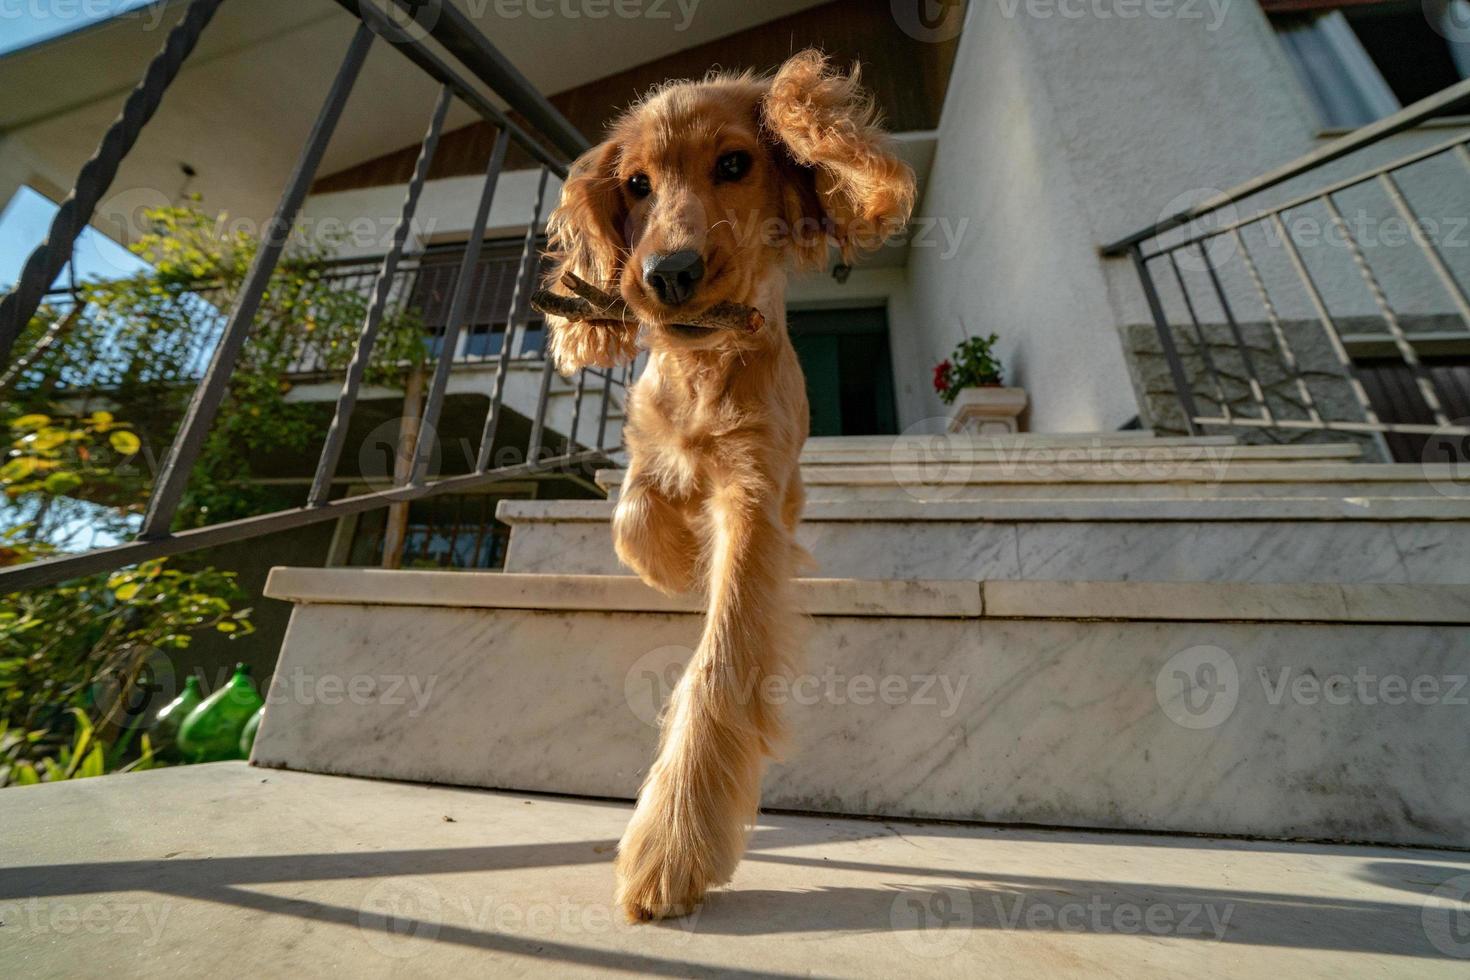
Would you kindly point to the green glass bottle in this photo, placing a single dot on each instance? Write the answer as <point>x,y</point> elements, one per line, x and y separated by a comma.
<point>212,731</point>
<point>247,734</point>
<point>164,732</point>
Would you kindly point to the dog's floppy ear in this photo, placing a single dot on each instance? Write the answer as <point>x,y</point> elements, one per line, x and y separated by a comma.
<point>832,132</point>
<point>585,237</point>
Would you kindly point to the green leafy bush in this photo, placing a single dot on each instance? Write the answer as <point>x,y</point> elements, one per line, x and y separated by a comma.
<point>137,344</point>
<point>90,655</point>
<point>86,755</point>
<point>80,663</point>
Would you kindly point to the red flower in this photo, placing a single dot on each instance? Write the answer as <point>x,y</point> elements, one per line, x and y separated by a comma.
<point>941,376</point>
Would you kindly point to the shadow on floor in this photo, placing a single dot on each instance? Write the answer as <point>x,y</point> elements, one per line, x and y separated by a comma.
<point>921,905</point>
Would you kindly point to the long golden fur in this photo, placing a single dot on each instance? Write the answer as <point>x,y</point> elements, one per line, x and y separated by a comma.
<point>716,423</point>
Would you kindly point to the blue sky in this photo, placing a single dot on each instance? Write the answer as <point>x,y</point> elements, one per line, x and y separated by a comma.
<point>26,23</point>
<point>23,226</point>
<point>25,218</point>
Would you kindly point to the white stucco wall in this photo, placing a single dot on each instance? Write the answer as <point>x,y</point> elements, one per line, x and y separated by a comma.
<point>1060,133</point>
<point>1066,126</point>
<point>445,212</point>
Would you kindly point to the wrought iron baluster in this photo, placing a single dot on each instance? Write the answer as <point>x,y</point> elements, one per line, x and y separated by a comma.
<point>1201,341</point>
<point>1390,318</point>
<point>1288,357</point>
<point>576,409</point>
<point>538,426</point>
<point>434,405</point>
<point>95,179</point>
<point>367,337</point>
<point>173,479</point>
<point>1182,389</point>
<point>1258,392</point>
<point>520,305</point>
<point>607,383</point>
<point>1324,316</point>
<point>1431,251</point>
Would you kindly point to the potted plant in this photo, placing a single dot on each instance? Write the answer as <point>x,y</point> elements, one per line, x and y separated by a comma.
<point>972,380</point>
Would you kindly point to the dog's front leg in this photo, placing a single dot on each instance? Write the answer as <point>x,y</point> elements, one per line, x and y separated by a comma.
<point>702,792</point>
<point>652,535</point>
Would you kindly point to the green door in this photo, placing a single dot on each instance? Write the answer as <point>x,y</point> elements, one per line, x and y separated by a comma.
<point>849,374</point>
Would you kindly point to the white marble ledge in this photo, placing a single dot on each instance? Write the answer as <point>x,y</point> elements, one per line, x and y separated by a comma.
<point>604,593</point>
<point>1302,602</point>
<point>859,475</point>
<point>1127,437</point>
<point>1366,508</point>
<point>926,452</point>
<point>1129,601</point>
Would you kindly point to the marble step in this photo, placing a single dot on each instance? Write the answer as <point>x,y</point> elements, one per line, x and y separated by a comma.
<point>1189,480</point>
<point>1301,711</point>
<point>1356,539</point>
<point>1125,437</point>
<point>949,450</point>
<point>449,882</point>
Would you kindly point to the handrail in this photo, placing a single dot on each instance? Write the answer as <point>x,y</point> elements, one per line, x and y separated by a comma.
<point>459,36</point>
<point>1278,399</point>
<point>1454,97</point>
<point>551,141</point>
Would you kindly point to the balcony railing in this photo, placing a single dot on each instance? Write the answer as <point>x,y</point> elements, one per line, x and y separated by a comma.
<point>464,63</point>
<point>423,287</point>
<point>1260,295</point>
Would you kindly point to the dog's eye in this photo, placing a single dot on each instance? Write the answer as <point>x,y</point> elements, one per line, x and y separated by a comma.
<point>639,185</point>
<point>732,166</point>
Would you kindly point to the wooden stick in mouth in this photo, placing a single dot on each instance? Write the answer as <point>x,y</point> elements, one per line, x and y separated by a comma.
<point>589,304</point>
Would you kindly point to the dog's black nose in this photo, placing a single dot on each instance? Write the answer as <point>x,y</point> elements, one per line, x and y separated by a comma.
<point>673,276</point>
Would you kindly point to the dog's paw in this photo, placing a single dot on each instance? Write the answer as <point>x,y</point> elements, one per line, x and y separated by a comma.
<point>652,909</point>
<point>652,887</point>
<point>663,873</point>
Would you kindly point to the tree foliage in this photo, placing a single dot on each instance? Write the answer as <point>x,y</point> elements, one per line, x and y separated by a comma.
<point>82,425</point>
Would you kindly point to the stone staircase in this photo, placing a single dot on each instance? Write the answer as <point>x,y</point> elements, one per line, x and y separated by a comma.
<point>1095,631</point>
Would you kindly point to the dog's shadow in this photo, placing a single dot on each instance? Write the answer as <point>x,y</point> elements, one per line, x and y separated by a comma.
<point>952,911</point>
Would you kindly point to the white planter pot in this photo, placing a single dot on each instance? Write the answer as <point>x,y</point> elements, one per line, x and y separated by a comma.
<point>988,411</point>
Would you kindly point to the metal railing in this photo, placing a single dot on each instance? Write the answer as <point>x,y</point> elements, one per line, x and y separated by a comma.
<point>451,37</point>
<point>422,288</point>
<point>1267,386</point>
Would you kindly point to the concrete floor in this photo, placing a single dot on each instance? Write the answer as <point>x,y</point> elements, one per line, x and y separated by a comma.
<point>228,870</point>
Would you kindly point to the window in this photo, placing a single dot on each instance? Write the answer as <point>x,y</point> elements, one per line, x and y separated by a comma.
<point>483,333</point>
<point>1360,61</point>
<point>1393,391</point>
<point>448,531</point>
